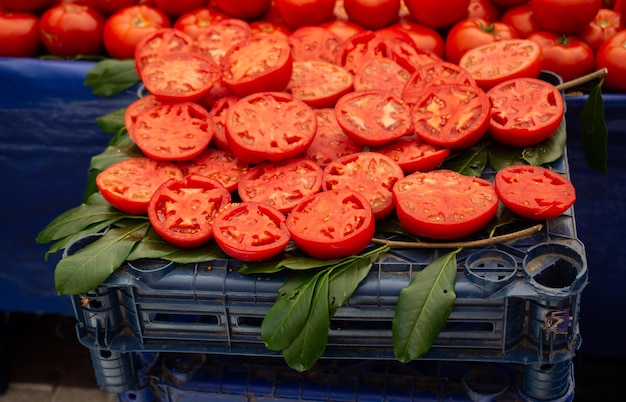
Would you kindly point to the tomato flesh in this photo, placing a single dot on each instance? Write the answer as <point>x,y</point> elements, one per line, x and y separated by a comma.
<point>524,111</point>
<point>182,211</point>
<point>452,115</point>
<point>129,184</point>
<point>319,84</point>
<point>412,154</point>
<point>250,231</point>
<point>443,204</point>
<point>330,141</point>
<point>281,184</point>
<point>217,164</point>
<point>332,224</point>
<point>370,174</point>
<point>173,131</point>
<point>534,192</point>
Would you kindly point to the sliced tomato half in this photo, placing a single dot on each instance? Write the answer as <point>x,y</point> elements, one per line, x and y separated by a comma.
<point>524,111</point>
<point>173,131</point>
<point>534,192</point>
<point>332,224</point>
<point>180,76</point>
<point>281,184</point>
<point>182,211</point>
<point>217,164</point>
<point>452,116</point>
<point>443,204</point>
<point>319,84</point>
<point>250,231</point>
<point>129,184</point>
<point>373,117</point>
<point>413,154</point>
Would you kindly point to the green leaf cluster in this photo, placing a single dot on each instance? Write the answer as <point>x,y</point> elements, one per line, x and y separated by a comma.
<point>297,324</point>
<point>111,76</point>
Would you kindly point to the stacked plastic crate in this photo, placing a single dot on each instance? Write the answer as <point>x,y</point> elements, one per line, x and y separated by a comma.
<point>161,331</point>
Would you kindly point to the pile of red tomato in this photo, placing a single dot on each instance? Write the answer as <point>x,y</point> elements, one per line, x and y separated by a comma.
<point>318,119</point>
<point>571,33</point>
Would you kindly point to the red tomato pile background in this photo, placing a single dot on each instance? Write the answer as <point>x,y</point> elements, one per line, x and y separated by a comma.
<point>322,117</point>
<point>571,32</point>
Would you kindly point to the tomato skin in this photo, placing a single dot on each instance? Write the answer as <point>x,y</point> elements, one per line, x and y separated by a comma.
<point>372,14</point>
<point>373,117</point>
<point>485,9</point>
<point>250,231</point>
<point>521,18</point>
<point>371,174</point>
<point>69,30</point>
<point>319,84</point>
<point>534,192</point>
<point>453,116</point>
<point>342,28</point>
<point>567,56</point>
<point>299,13</point>
<point>473,32</point>
<point>182,211</point>
<point>437,14</point>
<point>524,111</point>
<point>245,9</point>
<point>125,28</point>
<point>270,126</point>
<point>332,224</point>
<point>19,34</point>
<point>194,21</point>
<point>485,63</point>
<point>176,8</point>
<point>564,16</point>
<point>129,184</point>
<point>443,204</point>
<point>282,184</point>
<point>27,6</point>
<point>257,64</point>
<point>606,24</point>
<point>108,7</point>
<point>611,56</point>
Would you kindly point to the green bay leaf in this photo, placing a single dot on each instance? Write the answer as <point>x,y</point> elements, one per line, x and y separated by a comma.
<point>423,308</point>
<point>90,267</point>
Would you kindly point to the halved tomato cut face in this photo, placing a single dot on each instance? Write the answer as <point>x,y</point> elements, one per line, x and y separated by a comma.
<point>443,204</point>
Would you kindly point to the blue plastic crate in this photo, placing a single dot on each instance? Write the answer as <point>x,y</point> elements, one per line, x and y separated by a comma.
<point>516,302</point>
<point>169,377</point>
<point>601,216</point>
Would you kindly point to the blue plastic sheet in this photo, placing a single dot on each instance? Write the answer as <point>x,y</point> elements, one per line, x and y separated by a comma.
<point>48,134</point>
<point>600,210</point>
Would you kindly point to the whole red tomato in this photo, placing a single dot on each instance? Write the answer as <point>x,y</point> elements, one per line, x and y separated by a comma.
<point>473,32</point>
<point>620,6</point>
<point>372,14</point>
<point>564,16</point>
<point>243,9</point>
<point>298,13</point>
<point>124,29</point>
<point>108,7</point>
<point>612,56</point>
<point>193,22</point>
<point>176,8</point>
<point>437,13</point>
<point>564,55</point>
<point>19,34</point>
<point>27,6</point>
<point>69,30</point>
<point>425,38</point>
<point>521,18</point>
<point>485,9</point>
<point>605,25</point>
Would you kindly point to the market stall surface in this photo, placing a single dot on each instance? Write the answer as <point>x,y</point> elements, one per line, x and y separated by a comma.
<point>42,361</point>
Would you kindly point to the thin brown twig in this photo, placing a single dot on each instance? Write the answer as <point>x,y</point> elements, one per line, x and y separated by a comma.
<point>460,244</point>
<point>582,80</point>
